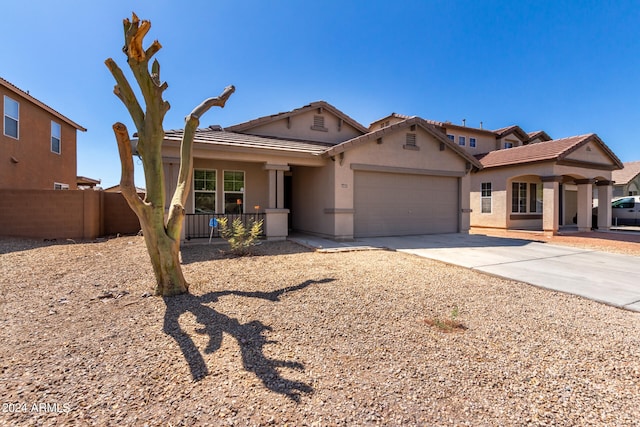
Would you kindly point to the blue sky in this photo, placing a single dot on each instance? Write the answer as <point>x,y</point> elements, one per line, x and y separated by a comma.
<point>566,67</point>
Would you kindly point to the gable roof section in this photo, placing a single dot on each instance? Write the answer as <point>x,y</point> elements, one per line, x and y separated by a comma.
<point>428,127</point>
<point>224,138</point>
<point>40,104</point>
<point>513,129</point>
<point>539,134</point>
<point>243,127</point>
<point>629,173</point>
<point>554,150</point>
<point>390,116</point>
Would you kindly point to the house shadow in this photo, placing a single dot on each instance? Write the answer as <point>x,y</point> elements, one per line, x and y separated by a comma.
<point>250,337</point>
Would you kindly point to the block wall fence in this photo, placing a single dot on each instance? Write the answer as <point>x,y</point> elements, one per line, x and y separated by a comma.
<point>65,214</point>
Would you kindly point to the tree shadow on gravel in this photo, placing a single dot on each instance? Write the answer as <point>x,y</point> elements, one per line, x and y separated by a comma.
<point>250,337</point>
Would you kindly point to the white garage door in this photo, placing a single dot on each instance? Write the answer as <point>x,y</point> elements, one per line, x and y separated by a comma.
<point>391,204</point>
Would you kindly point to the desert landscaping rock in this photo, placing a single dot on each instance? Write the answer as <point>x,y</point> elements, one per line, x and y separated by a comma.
<point>295,337</point>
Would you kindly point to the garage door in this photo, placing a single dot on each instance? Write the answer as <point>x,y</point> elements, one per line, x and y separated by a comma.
<point>391,204</point>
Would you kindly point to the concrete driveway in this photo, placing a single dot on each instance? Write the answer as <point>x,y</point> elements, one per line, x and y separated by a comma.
<point>609,278</point>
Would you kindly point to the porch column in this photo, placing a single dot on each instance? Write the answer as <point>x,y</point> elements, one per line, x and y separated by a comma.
<point>276,216</point>
<point>276,185</point>
<point>551,204</point>
<point>605,195</point>
<point>585,203</point>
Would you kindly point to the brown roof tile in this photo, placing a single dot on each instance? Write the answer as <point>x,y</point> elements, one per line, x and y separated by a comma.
<point>539,134</point>
<point>235,139</point>
<point>630,171</point>
<point>552,150</point>
<point>517,130</point>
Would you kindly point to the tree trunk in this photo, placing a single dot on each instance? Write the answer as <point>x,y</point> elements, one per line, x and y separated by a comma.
<point>164,253</point>
<point>162,237</point>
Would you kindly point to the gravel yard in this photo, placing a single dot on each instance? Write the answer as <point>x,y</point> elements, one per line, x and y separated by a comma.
<point>291,336</point>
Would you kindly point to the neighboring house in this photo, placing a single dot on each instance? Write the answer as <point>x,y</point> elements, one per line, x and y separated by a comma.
<point>37,143</point>
<point>84,183</point>
<point>529,181</point>
<point>116,189</point>
<point>316,170</point>
<point>627,180</point>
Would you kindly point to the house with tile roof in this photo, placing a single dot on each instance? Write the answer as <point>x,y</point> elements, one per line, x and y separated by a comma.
<point>627,180</point>
<point>315,169</point>
<point>533,182</point>
<point>37,143</point>
<point>530,181</point>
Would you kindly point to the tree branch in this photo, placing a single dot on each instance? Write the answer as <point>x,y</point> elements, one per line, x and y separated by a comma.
<point>127,184</point>
<point>176,212</point>
<point>124,91</point>
<point>153,49</point>
<point>218,101</point>
<point>135,30</point>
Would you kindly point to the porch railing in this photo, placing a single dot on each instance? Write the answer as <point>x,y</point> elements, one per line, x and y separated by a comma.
<point>196,226</point>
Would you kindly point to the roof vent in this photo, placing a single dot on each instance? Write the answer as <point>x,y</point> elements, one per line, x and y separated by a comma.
<point>215,127</point>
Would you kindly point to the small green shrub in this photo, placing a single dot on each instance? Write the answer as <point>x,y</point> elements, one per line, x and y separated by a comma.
<point>240,237</point>
<point>448,325</point>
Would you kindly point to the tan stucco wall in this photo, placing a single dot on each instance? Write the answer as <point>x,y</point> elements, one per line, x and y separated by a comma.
<point>312,193</point>
<point>392,153</point>
<point>256,179</point>
<point>501,179</point>
<point>484,142</point>
<point>590,152</point>
<point>37,167</point>
<point>300,128</point>
<point>256,183</point>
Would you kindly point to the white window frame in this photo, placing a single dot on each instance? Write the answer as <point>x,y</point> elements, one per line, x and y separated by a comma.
<point>242,190</point>
<point>462,140</point>
<point>214,192</point>
<point>451,137</point>
<point>528,203</point>
<point>58,137</point>
<point>472,142</point>
<point>519,192</point>
<point>486,193</point>
<point>535,199</point>
<point>508,144</point>
<point>60,186</point>
<point>6,115</point>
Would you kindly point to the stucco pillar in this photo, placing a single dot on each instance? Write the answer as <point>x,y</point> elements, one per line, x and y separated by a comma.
<point>272,189</point>
<point>585,203</point>
<point>280,189</point>
<point>551,204</point>
<point>276,184</point>
<point>464,190</point>
<point>605,194</point>
<point>276,225</point>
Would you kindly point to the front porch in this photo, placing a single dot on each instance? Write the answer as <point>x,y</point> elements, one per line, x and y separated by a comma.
<point>566,201</point>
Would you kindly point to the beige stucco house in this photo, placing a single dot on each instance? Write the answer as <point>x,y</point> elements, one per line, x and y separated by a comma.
<point>529,181</point>
<point>627,180</point>
<point>316,170</point>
